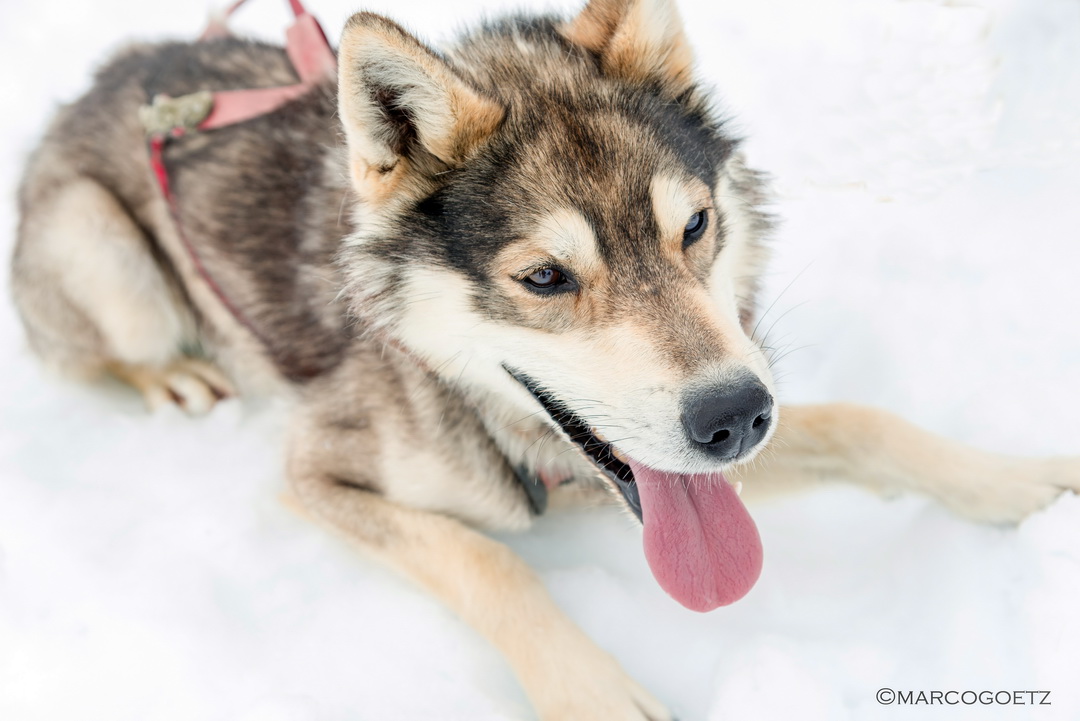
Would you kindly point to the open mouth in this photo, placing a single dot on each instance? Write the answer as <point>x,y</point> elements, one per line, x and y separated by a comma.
<point>598,450</point>
<point>700,542</point>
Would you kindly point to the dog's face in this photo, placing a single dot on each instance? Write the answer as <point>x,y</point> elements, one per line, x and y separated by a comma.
<point>554,217</point>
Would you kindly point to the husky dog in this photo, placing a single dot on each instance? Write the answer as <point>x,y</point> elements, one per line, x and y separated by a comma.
<point>513,275</point>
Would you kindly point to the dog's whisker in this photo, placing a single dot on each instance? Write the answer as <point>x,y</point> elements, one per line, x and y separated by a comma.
<point>776,300</point>
<point>777,359</point>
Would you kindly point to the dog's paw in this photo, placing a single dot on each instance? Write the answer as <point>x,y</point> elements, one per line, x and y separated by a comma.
<point>603,707</point>
<point>194,385</point>
<point>1015,490</point>
<point>602,692</point>
<point>634,702</point>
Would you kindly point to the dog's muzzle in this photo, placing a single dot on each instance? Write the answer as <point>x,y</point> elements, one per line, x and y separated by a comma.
<point>599,451</point>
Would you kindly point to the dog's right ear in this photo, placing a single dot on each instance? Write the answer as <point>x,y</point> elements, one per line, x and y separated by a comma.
<point>637,40</point>
<point>403,107</point>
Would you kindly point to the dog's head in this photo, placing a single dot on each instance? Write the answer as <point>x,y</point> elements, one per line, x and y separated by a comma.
<point>552,214</point>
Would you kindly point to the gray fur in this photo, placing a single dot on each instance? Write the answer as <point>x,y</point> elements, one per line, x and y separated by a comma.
<point>373,281</point>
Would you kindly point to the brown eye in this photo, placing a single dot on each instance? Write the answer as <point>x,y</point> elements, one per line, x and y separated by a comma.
<point>695,228</point>
<point>549,280</point>
<point>545,277</point>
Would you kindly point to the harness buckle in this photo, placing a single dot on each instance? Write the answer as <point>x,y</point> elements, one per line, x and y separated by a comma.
<point>167,114</point>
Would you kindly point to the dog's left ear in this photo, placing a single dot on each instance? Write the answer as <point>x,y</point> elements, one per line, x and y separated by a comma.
<point>639,40</point>
<point>406,112</point>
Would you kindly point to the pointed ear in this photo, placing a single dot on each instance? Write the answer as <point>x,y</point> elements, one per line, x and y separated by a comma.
<point>638,40</point>
<point>403,106</point>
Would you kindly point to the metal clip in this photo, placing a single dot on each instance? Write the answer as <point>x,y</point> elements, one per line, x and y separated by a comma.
<point>168,114</point>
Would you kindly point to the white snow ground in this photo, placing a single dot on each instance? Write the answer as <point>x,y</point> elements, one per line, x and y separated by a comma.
<point>927,157</point>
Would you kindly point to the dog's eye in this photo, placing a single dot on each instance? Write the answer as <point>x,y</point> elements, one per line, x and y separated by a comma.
<point>546,278</point>
<point>695,228</point>
<point>549,280</point>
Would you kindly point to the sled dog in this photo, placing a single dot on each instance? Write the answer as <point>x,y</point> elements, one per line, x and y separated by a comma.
<point>514,274</point>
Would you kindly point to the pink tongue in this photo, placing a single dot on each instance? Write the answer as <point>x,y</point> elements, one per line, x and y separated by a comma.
<point>700,542</point>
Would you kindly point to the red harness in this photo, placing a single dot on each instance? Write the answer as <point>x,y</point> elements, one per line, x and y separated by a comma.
<point>168,118</point>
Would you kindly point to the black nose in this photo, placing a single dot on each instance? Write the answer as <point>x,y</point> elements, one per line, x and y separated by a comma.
<point>727,421</point>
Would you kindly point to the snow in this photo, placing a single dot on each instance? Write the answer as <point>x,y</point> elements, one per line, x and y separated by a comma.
<point>927,162</point>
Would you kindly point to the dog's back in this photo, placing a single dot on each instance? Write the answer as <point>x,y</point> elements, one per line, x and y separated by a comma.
<point>257,212</point>
<point>555,244</point>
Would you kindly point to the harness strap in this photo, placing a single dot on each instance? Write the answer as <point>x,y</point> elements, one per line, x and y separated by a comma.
<point>161,174</point>
<point>309,52</point>
<point>166,118</point>
<point>235,106</point>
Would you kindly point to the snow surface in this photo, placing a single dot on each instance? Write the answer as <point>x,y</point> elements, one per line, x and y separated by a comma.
<point>927,161</point>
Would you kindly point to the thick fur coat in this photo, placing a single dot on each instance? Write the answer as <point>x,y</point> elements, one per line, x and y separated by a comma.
<point>517,274</point>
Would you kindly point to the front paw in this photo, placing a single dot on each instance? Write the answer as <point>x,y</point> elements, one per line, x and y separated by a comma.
<point>606,704</point>
<point>1015,490</point>
<point>598,690</point>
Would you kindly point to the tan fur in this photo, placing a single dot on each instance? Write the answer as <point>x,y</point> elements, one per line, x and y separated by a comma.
<point>194,385</point>
<point>88,248</point>
<point>410,432</point>
<point>879,451</point>
<point>674,201</point>
<point>639,40</point>
<point>490,589</point>
<point>563,237</point>
<point>734,278</point>
<point>451,117</point>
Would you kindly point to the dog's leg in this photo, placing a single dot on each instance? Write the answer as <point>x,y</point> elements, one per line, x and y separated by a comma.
<point>93,298</point>
<point>876,449</point>
<point>193,384</point>
<point>566,676</point>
